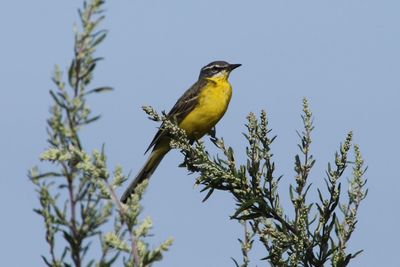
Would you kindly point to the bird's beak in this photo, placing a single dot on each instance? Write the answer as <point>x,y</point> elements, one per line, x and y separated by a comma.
<point>233,66</point>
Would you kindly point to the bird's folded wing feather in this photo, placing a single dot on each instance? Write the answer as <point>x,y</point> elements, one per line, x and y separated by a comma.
<point>185,104</point>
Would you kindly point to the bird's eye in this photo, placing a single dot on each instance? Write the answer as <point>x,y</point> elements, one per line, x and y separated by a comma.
<point>215,68</point>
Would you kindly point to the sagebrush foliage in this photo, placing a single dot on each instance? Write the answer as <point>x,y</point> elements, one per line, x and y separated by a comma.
<point>318,233</point>
<point>77,195</point>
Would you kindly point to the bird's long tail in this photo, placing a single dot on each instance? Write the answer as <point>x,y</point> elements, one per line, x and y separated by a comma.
<point>147,170</point>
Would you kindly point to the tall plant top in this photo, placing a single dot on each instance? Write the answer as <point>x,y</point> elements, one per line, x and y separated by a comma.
<point>320,230</point>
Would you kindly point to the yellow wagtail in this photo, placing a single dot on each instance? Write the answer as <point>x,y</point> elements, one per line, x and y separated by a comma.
<point>196,111</point>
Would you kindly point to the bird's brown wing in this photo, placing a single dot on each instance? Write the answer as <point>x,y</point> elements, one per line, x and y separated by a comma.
<point>185,104</point>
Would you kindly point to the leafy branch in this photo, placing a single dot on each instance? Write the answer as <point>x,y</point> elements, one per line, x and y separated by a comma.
<point>317,233</point>
<point>77,195</point>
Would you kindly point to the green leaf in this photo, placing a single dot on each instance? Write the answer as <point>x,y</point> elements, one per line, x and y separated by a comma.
<point>208,194</point>
<point>93,119</point>
<point>97,40</point>
<point>71,74</point>
<point>102,89</point>
<point>245,206</point>
<point>236,263</point>
<point>46,261</point>
<point>58,101</point>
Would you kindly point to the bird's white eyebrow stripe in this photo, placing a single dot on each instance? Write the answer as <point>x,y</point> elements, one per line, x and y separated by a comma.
<point>209,67</point>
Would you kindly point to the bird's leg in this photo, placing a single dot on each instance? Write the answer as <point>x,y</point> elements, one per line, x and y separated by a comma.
<point>186,159</point>
<point>213,137</point>
<point>212,132</point>
<point>187,164</point>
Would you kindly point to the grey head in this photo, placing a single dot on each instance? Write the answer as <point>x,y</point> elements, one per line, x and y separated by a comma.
<point>217,68</point>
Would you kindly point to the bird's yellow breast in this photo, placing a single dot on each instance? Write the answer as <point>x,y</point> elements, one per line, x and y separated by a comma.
<point>212,103</point>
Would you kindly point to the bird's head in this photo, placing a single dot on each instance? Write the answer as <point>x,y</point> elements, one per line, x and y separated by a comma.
<point>218,70</point>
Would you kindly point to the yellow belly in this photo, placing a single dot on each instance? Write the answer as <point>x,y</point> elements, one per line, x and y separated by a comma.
<point>212,104</point>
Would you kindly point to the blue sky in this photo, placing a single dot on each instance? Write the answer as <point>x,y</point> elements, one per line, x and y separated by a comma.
<point>344,56</point>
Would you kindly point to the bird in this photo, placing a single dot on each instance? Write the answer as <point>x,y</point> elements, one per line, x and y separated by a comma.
<point>197,112</point>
